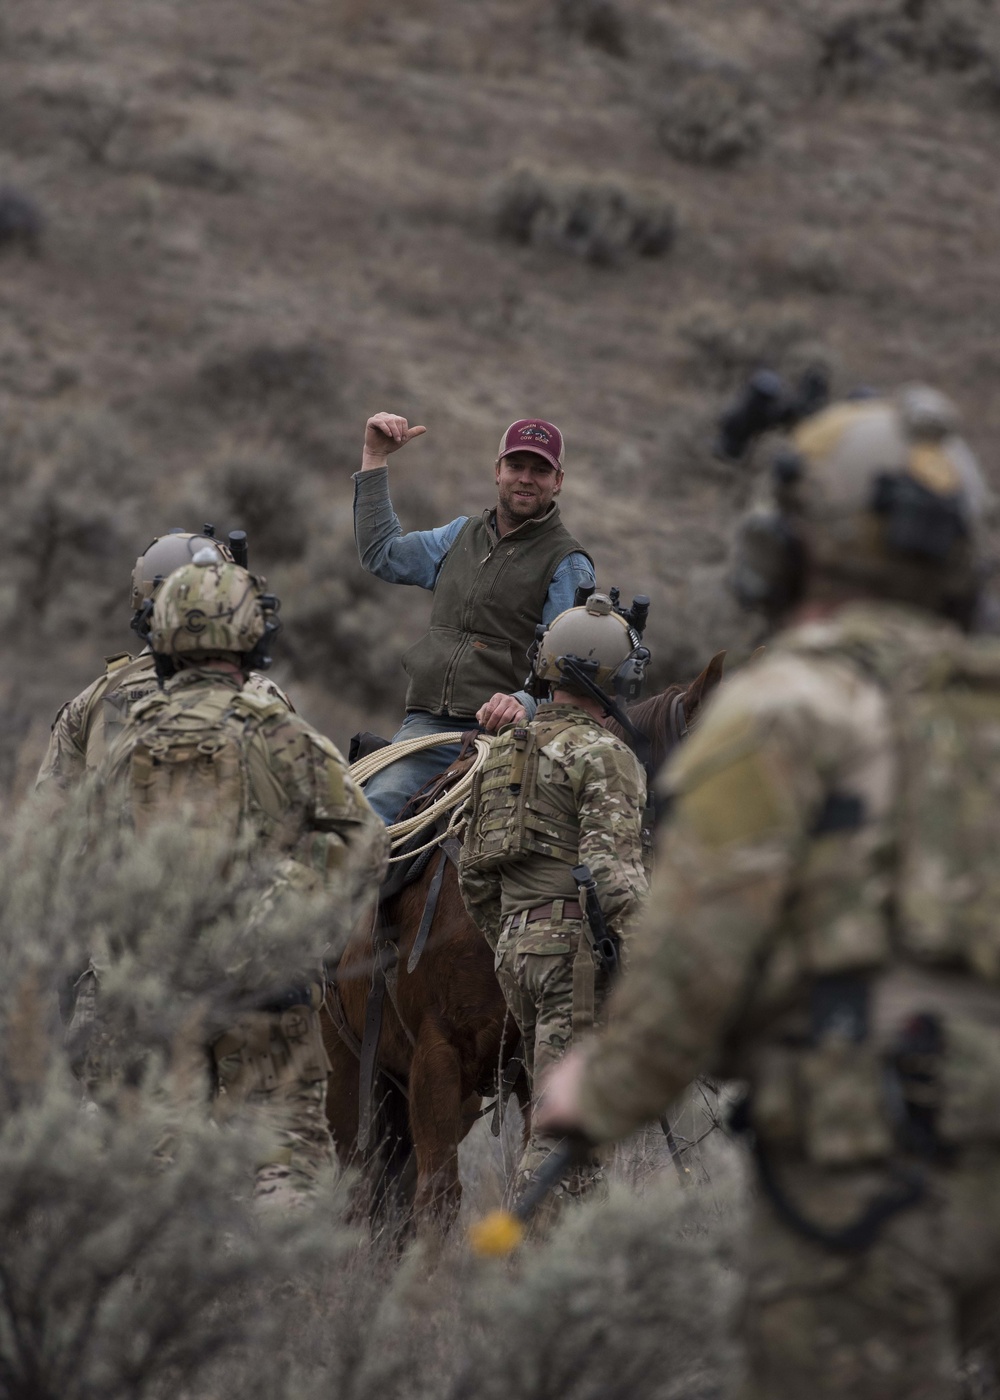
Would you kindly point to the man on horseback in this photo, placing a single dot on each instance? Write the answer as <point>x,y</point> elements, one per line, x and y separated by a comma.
<point>208,749</point>
<point>84,728</point>
<point>823,919</point>
<point>494,577</point>
<point>555,794</point>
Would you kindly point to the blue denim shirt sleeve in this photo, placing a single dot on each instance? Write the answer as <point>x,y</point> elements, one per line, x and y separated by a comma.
<point>575,571</point>
<point>383,549</point>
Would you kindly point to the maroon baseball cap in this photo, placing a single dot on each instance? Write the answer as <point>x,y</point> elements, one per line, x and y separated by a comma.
<point>533,435</point>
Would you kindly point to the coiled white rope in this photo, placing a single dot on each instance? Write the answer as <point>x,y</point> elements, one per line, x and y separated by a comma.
<point>454,800</point>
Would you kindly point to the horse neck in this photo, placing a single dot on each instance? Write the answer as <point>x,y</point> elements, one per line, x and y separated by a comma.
<point>654,720</point>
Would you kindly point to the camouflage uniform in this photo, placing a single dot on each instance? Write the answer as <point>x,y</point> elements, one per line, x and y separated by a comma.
<point>823,917</point>
<point>580,801</point>
<point>291,787</point>
<point>86,726</point>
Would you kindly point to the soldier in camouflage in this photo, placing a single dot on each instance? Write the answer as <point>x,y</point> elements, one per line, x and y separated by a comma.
<point>823,919</point>
<point>553,794</point>
<point>85,727</point>
<point>208,748</point>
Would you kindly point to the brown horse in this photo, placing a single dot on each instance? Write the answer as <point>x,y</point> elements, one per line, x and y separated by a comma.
<point>445,1032</point>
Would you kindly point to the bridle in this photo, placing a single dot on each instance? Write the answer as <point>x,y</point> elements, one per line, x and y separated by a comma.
<point>677,720</point>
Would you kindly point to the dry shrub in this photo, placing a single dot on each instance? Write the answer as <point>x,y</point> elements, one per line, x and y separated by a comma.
<point>62,474</point>
<point>937,36</point>
<point>629,1298</point>
<point>264,494</point>
<point>291,388</point>
<point>21,222</point>
<point>604,221</point>
<point>599,23</point>
<point>784,262</point>
<point>196,162</point>
<point>268,371</point>
<point>183,932</point>
<point>345,629</point>
<point>713,117</point>
<point>728,345</point>
<point>125,1274</point>
<point>92,114</point>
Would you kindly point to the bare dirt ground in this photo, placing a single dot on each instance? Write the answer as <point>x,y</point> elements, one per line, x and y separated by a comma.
<point>264,221</point>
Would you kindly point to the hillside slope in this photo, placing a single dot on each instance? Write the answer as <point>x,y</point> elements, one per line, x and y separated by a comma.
<point>263,222</point>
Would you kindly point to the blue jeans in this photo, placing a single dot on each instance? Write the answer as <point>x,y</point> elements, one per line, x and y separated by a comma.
<point>387,791</point>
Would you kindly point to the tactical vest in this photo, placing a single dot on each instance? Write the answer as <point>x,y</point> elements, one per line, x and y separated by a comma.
<point>126,680</point>
<point>488,598</point>
<point>513,814</point>
<point>896,925</point>
<point>193,752</point>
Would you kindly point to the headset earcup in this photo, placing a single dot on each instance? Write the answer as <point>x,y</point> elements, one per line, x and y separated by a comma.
<point>768,564</point>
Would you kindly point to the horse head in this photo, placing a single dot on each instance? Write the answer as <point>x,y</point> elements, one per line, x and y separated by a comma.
<point>665,718</point>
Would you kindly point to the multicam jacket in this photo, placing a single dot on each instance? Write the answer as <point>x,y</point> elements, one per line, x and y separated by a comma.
<point>206,742</point>
<point>579,800</point>
<point>826,880</point>
<point>87,725</point>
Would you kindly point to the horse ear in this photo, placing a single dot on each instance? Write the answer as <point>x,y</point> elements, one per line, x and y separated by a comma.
<point>699,689</point>
<point>714,669</point>
<point>757,653</point>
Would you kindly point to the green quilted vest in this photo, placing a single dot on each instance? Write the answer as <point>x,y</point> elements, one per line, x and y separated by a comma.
<point>488,599</point>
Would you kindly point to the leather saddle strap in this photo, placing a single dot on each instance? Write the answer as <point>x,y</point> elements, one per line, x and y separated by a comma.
<point>335,1008</point>
<point>431,902</point>
<point>371,1035</point>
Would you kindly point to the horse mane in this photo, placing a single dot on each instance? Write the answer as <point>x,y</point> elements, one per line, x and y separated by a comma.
<point>652,719</point>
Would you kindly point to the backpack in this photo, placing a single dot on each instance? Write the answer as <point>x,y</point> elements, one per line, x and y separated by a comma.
<point>190,754</point>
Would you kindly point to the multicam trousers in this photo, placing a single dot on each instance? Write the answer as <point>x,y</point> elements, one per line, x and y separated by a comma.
<point>539,988</point>
<point>270,1068</point>
<point>891,1322</point>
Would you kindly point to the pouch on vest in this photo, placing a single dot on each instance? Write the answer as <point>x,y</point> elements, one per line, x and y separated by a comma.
<point>827,1097</point>
<point>202,774</point>
<point>948,893</point>
<point>969,1094</point>
<point>511,816</point>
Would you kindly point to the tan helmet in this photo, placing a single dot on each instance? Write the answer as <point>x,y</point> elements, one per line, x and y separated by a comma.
<point>167,553</point>
<point>207,608</point>
<point>880,494</point>
<point>594,638</point>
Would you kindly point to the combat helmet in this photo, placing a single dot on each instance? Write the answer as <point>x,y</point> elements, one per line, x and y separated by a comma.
<point>211,608</point>
<point>167,553</point>
<point>878,494</point>
<point>593,647</point>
